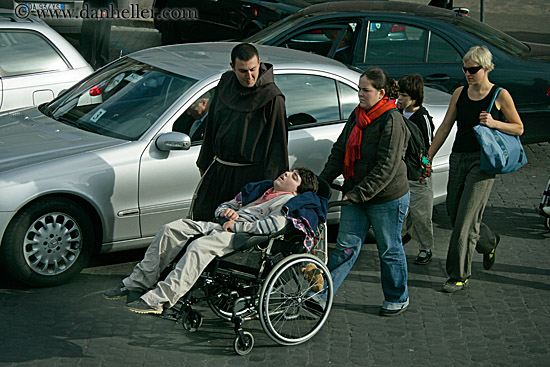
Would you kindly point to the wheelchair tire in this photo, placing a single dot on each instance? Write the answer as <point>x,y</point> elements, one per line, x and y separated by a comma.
<point>243,345</point>
<point>192,321</point>
<point>547,223</point>
<point>290,311</point>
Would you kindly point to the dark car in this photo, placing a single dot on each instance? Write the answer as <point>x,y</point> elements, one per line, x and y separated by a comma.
<point>223,19</point>
<point>406,38</point>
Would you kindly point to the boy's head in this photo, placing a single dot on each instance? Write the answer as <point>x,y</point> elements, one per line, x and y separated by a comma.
<point>298,180</point>
<point>411,92</point>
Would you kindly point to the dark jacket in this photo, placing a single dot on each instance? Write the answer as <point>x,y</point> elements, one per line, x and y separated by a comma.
<point>423,120</point>
<point>380,174</point>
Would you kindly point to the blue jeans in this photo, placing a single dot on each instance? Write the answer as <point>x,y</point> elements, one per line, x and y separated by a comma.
<point>386,220</point>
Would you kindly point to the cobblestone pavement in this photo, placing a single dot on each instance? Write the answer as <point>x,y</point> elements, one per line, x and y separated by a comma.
<point>501,320</point>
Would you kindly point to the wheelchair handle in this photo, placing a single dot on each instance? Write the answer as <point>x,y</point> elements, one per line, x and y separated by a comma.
<point>332,204</point>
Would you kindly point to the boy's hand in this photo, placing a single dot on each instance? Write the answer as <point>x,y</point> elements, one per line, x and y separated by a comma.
<point>428,173</point>
<point>230,214</point>
<point>229,225</point>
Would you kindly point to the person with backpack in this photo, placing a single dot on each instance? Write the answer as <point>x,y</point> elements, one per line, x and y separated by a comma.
<point>418,222</point>
<point>369,153</point>
<point>469,187</point>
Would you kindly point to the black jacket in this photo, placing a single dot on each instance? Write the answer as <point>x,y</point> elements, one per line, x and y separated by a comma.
<point>423,120</point>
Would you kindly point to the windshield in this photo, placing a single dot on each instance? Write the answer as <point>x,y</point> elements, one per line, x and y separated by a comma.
<point>122,101</point>
<point>264,36</point>
<point>491,35</point>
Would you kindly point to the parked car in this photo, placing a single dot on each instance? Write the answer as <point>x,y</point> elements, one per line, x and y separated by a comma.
<point>404,38</point>
<point>223,19</point>
<point>36,63</point>
<point>104,165</point>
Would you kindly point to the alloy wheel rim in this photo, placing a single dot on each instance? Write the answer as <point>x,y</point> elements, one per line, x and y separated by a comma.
<point>52,244</point>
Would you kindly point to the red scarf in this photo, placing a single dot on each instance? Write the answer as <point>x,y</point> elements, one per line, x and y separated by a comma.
<point>362,119</point>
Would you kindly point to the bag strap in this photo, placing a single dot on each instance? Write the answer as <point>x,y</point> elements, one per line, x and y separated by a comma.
<point>494,99</point>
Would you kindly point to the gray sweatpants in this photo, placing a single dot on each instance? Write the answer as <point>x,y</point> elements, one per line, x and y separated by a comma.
<point>418,221</point>
<point>468,190</point>
<point>167,244</point>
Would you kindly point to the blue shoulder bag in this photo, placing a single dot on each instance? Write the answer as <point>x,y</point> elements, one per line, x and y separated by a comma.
<point>500,152</point>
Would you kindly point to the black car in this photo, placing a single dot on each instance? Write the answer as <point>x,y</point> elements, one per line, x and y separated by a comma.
<point>223,19</point>
<point>405,38</point>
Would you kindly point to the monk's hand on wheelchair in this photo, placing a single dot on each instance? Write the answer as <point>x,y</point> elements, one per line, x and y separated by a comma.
<point>230,214</point>
<point>229,226</point>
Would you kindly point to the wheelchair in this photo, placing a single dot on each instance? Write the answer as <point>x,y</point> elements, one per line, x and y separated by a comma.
<point>272,278</point>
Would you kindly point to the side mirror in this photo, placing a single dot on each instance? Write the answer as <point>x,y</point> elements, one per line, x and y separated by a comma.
<point>173,141</point>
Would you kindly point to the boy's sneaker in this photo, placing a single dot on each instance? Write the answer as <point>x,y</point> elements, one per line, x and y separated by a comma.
<point>489,258</point>
<point>118,292</point>
<point>140,306</point>
<point>424,257</point>
<point>453,285</point>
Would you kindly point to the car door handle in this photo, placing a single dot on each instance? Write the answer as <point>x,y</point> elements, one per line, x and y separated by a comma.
<point>438,78</point>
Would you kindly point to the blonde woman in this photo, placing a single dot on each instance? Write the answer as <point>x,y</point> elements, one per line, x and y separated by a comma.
<point>468,188</point>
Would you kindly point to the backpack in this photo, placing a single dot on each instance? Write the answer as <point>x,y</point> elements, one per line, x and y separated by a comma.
<point>416,149</point>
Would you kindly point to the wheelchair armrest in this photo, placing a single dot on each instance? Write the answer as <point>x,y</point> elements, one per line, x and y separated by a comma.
<point>220,220</point>
<point>245,241</point>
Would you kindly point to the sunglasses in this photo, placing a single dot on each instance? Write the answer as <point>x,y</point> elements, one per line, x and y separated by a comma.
<point>472,70</point>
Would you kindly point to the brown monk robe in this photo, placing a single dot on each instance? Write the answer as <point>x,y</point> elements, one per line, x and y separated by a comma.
<point>245,140</point>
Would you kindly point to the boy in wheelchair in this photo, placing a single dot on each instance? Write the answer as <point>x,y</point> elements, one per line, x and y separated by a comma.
<point>253,211</point>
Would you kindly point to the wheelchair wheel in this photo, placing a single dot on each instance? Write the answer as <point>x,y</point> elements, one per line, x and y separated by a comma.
<point>191,320</point>
<point>547,223</point>
<point>222,304</point>
<point>293,304</point>
<point>243,345</point>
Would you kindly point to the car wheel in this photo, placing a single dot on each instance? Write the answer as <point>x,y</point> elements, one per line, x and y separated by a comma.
<point>47,243</point>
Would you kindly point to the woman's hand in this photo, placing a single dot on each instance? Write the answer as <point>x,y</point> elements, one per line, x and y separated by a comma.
<point>486,119</point>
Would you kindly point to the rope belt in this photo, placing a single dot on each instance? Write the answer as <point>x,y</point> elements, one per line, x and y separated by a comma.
<point>233,164</point>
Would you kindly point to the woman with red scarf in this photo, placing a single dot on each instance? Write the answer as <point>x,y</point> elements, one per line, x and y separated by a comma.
<point>369,153</point>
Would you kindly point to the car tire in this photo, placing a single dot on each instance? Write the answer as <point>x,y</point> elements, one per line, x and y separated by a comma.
<point>48,242</point>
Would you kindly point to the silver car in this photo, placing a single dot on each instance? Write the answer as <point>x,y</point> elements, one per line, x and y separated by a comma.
<point>103,166</point>
<point>36,63</point>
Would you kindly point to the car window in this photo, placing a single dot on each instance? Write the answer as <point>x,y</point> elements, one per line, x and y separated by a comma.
<point>121,101</point>
<point>491,35</point>
<point>27,52</point>
<point>391,43</point>
<point>309,98</point>
<point>441,51</point>
<point>349,98</point>
<point>333,40</point>
<point>191,121</point>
